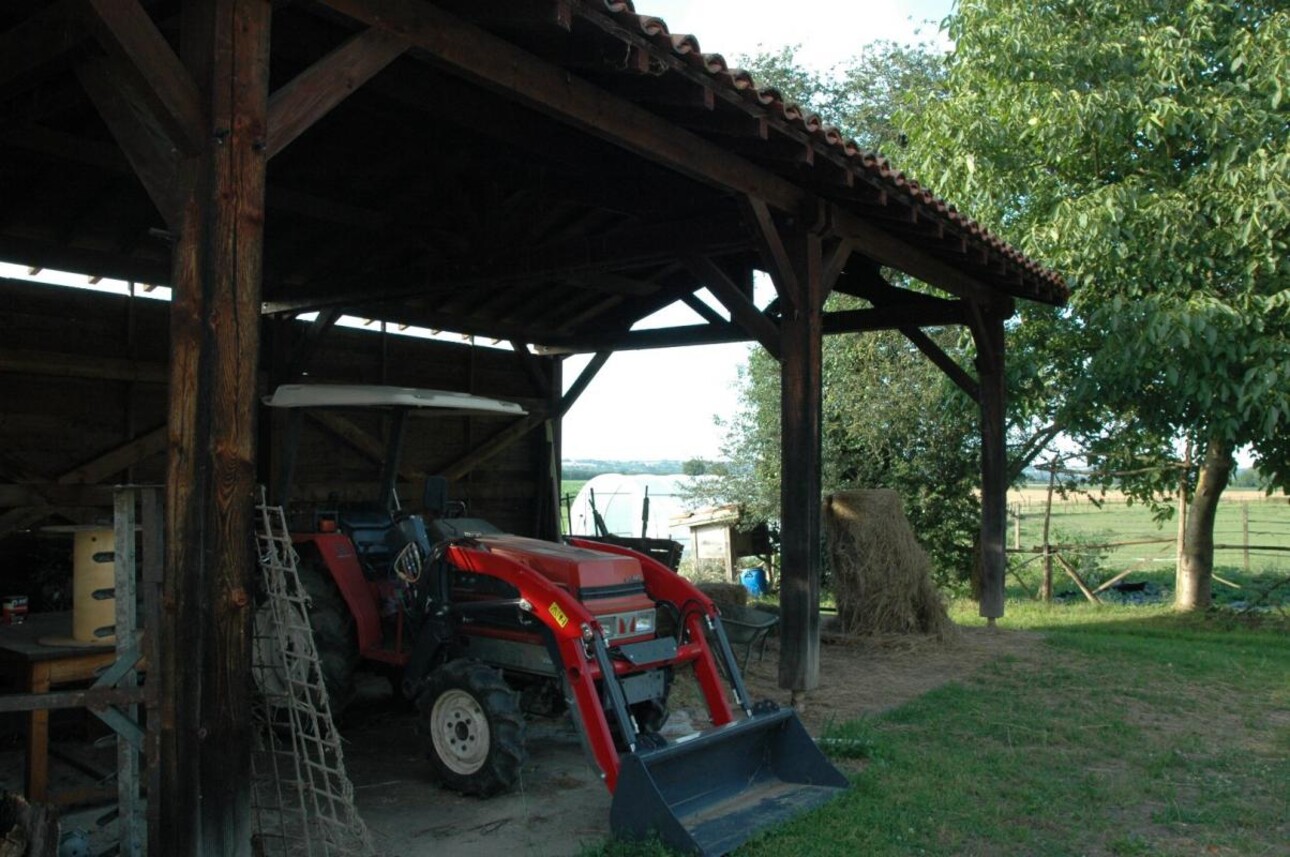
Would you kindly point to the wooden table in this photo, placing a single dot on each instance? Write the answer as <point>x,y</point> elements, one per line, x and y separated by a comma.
<point>40,668</point>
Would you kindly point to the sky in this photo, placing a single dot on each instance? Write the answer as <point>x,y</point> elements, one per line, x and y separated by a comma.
<point>661,404</point>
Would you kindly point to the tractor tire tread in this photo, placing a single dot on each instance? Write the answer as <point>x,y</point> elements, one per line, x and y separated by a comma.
<point>335,636</point>
<point>501,704</point>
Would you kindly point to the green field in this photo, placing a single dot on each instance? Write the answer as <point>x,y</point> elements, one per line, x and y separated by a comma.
<point>1077,524</point>
<point>569,489</point>
<point>1129,731</point>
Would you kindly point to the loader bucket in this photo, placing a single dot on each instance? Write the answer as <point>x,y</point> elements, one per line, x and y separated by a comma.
<point>709,794</point>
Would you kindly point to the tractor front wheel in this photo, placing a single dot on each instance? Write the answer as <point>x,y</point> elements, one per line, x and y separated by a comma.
<point>473,728</point>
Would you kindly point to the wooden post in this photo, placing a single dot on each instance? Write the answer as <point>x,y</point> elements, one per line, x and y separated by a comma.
<point>987,330</point>
<point>1016,527</point>
<point>800,402</point>
<point>215,325</point>
<point>1182,510</point>
<point>1046,588</point>
<point>1245,536</point>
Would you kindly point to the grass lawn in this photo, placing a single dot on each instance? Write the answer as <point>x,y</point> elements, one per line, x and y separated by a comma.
<point>1131,731</point>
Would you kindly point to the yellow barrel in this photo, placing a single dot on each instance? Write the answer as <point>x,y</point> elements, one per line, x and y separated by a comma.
<point>94,586</point>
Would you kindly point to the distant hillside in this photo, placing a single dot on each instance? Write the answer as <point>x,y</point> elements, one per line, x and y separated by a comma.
<point>586,468</point>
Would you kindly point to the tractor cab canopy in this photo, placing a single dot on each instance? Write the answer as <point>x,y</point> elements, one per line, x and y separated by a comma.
<point>400,401</point>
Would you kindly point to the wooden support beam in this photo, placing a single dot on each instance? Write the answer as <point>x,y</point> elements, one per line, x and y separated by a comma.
<point>645,340</point>
<point>205,721</point>
<point>54,495</point>
<point>314,92</point>
<point>944,362</point>
<point>303,353</point>
<point>494,445</point>
<point>774,254</point>
<point>47,254</point>
<point>117,97</point>
<point>584,379</point>
<point>932,312</point>
<point>127,32</point>
<point>503,67</point>
<point>60,365</point>
<point>887,249</point>
<point>39,40</point>
<point>800,478</point>
<point>586,256</point>
<point>742,310</point>
<point>705,312</point>
<point>145,446</point>
<point>370,447</point>
<point>987,331</point>
<point>529,361</point>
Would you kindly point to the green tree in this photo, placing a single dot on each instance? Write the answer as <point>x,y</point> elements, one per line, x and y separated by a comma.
<point>1143,149</point>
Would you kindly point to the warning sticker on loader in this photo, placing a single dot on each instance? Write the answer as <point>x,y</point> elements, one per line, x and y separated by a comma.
<point>560,618</point>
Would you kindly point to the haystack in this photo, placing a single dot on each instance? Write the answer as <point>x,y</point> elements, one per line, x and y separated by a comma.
<point>882,577</point>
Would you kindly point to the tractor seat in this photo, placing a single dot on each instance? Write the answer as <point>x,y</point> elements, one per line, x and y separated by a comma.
<point>368,528</point>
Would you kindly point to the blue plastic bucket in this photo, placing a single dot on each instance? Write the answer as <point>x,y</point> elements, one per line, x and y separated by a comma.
<point>755,581</point>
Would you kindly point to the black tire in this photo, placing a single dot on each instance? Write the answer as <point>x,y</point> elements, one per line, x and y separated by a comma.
<point>334,635</point>
<point>473,728</point>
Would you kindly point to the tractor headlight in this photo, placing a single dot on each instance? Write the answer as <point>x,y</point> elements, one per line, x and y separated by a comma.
<point>631,624</point>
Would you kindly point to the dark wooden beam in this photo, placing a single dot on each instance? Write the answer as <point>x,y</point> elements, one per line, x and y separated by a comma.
<point>887,249</point>
<point>118,97</point>
<point>501,66</point>
<point>944,362</point>
<point>774,254</point>
<point>896,317</point>
<point>496,444</point>
<point>215,328</point>
<point>800,477</point>
<point>40,40</point>
<point>531,365</point>
<point>644,340</point>
<point>584,379</point>
<point>147,445</point>
<point>63,365</point>
<point>32,494</point>
<point>47,254</point>
<point>987,331</point>
<point>705,312</point>
<point>370,447</point>
<point>303,352</point>
<point>742,310</point>
<point>127,32</point>
<point>314,92</point>
<point>582,257</point>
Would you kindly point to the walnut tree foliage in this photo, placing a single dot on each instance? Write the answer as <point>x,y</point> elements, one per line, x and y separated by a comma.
<point>1142,148</point>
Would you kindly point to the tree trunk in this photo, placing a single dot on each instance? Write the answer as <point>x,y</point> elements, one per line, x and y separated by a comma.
<point>1194,584</point>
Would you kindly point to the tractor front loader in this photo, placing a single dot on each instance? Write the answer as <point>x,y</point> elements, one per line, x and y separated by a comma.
<point>489,629</point>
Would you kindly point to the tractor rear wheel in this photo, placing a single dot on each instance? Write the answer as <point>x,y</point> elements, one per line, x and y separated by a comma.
<point>335,636</point>
<point>473,728</point>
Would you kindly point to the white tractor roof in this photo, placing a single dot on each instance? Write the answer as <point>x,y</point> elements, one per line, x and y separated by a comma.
<point>376,396</point>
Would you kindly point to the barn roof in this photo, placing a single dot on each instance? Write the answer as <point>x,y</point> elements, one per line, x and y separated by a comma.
<point>536,170</point>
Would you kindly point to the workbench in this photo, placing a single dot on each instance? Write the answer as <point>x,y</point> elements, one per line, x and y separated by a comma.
<point>38,668</point>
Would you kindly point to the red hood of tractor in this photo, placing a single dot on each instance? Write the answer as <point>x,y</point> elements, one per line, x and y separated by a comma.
<point>586,574</point>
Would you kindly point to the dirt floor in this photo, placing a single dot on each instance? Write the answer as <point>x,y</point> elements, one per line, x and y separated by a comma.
<point>561,806</point>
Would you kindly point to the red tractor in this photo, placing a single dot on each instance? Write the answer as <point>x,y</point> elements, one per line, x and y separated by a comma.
<point>486,629</point>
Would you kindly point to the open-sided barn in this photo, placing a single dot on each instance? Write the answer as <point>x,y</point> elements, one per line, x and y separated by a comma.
<point>543,173</point>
